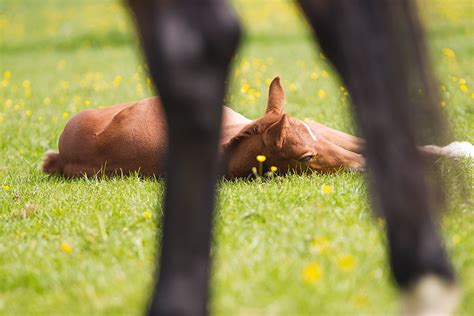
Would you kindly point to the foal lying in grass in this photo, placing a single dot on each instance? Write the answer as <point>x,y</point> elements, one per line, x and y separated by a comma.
<point>131,137</point>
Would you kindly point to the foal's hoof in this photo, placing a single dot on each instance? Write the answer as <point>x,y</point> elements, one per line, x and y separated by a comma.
<point>430,296</point>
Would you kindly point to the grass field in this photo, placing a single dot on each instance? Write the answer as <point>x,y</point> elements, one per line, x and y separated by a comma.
<point>290,246</point>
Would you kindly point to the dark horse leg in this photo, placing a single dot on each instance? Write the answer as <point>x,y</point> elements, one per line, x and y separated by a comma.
<point>377,47</point>
<point>188,45</point>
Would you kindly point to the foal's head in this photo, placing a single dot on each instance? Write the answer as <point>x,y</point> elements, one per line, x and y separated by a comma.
<point>288,143</point>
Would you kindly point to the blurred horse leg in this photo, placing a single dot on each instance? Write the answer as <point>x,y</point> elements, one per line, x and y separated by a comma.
<point>377,47</point>
<point>188,46</point>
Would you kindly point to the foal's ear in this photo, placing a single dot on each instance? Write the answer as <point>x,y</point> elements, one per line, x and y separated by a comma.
<point>275,135</point>
<point>276,97</point>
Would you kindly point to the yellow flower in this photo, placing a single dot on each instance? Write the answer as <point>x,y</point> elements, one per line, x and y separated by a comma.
<point>87,102</point>
<point>1,119</point>
<point>346,263</point>
<point>261,158</point>
<point>464,88</point>
<point>117,80</point>
<point>360,301</point>
<point>147,214</point>
<point>326,189</point>
<point>245,87</point>
<point>4,82</point>
<point>321,93</point>
<point>139,88</point>
<point>28,113</point>
<point>273,169</point>
<point>472,95</point>
<point>319,244</point>
<point>65,114</point>
<point>448,52</point>
<point>293,87</point>
<point>26,84</point>
<point>66,247</point>
<point>456,239</point>
<point>64,84</point>
<point>6,187</point>
<point>462,81</point>
<point>312,272</point>
<point>7,74</point>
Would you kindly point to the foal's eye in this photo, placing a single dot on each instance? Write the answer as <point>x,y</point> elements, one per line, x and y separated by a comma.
<point>306,158</point>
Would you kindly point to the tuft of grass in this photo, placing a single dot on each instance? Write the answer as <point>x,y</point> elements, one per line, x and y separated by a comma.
<point>293,245</point>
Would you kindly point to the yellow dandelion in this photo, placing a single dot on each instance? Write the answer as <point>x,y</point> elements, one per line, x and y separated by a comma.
<point>7,74</point>
<point>314,76</point>
<point>472,95</point>
<point>319,244</point>
<point>326,189</point>
<point>346,263</point>
<point>67,248</point>
<point>360,301</point>
<point>462,81</point>
<point>26,84</point>
<point>464,88</point>
<point>245,88</point>
<point>147,214</point>
<point>28,113</point>
<point>312,272</point>
<point>456,239</point>
<point>261,158</point>
<point>117,80</point>
<point>139,88</point>
<point>65,115</point>
<point>448,52</point>
<point>64,84</point>
<point>6,187</point>
<point>322,93</point>
<point>87,102</point>
<point>273,169</point>
<point>293,87</point>
<point>2,119</point>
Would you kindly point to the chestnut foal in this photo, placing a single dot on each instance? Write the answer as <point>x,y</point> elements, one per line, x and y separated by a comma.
<point>132,137</point>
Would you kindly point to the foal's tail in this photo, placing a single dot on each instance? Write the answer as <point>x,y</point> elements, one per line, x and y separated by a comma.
<point>52,164</point>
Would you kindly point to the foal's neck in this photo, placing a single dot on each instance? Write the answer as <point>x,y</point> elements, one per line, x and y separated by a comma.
<point>232,124</point>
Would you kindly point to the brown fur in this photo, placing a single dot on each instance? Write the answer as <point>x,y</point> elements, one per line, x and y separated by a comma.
<point>131,137</point>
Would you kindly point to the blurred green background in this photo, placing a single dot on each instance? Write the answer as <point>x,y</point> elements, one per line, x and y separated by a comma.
<point>290,246</point>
